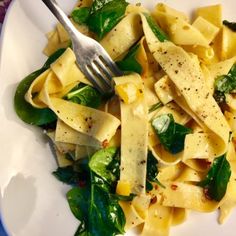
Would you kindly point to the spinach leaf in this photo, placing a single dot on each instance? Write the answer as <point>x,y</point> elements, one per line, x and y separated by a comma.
<point>80,15</point>
<point>219,97</point>
<point>230,25</point>
<point>26,111</point>
<point>75,174</point>
<point>232,71</point>
<point>217,178</point>
<point>152,172</point>
<point>225,84</point>
<point>105,15</point>
<point>170,134</point>
<point>85,95</point>
<point>123,198</point>
<point>129,62</point>
<point>96,205</point>
<point>114,165</point>
<point>98,4</point>
<point>106,217</point>
<point>102,16</point>
<point>155,107</point>
<point>78,201</point>
<point>100,161</point>
<point>160,34</point>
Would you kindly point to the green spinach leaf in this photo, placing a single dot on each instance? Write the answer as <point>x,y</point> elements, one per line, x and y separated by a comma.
<point>102,16</point>
<point>26,111</point>
<point>80,15</point>
<point>106,215</point>
<point>78,201</point>
<point>96,205</point>
<point>98,4</point>
<point>105,15</point>
<point>129,63</point>
<point>85,95</point>
<point>155,107</point>
<point>160,34</point>
<point>217,178</point>
<point>75,174</point>
<point>225,84</point>
<point>230,25</point>
<point>170,134</point>
<point>152,172</point>
<point>100,162</point>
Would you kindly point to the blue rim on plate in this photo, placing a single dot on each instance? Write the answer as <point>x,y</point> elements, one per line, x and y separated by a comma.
<point>2,231</point>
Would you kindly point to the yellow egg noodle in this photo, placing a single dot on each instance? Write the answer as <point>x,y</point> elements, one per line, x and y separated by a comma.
<point>180,74</point>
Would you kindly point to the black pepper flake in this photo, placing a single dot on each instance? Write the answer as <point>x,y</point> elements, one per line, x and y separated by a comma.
<point>142,162</point>
<point>180,64</point>
<point>176,71</point>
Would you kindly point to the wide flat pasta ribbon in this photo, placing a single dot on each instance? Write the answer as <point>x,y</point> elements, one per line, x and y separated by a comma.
<point>134,135</point>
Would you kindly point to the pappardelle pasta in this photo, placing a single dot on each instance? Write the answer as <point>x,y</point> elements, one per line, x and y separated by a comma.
<point>164,143</point>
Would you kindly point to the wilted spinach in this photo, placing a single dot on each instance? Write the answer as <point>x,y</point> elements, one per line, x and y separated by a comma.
<point>102,16</point>
<point>96,205</point>
<point>160,34</point>
<point>85,95</point>
<point>26,111</point>
<point>73,174</point>
<point>230,25</point>
<point>99,164</point>
<point>217,178</point>
<point>225,84</point>
<point>80,15</point>
<point>171,134</point>
<point>129,63</point>
<point>155,107</point>
<point>152,172</point>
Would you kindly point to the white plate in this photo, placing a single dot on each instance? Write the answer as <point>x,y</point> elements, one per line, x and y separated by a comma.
<point>32,201</point>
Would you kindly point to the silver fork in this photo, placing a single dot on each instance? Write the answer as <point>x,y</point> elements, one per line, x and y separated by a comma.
<point>91,57</point>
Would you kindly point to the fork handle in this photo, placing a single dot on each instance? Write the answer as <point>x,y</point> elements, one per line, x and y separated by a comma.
<point>62,18</point>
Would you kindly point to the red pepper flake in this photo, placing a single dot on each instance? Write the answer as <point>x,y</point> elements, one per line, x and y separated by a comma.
<point>154,200</point>
<point>174,187</point>
<point>82,183</point>
<point>207,194</point>
<point>105,143</point>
